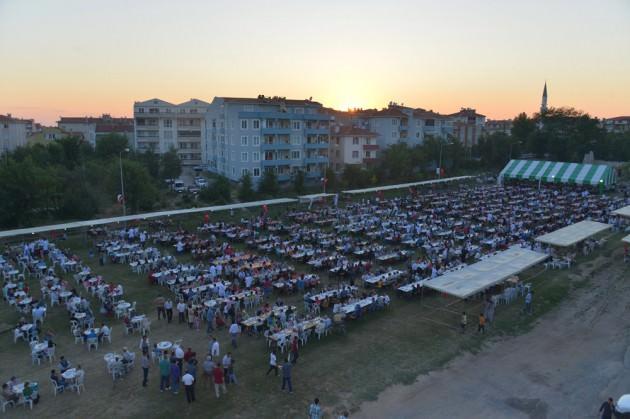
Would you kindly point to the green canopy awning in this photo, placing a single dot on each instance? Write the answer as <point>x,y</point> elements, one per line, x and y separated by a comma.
<point>559,172</point>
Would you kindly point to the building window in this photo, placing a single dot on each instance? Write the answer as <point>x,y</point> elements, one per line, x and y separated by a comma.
<point>298,110</point>
<point>243,123</point>
<point>256,124</point>
<point>337,153</point>
<point>256,172</point>
<point>168,135</point>
<point>295,154</point>
<point>394,134</point>
<point>243,139</point>
<point>337,141</point>
<point>222,139</point>
<point>244,172</point>
<point>355,140</point>
<point>154,110</point>
<point>248,108</point>
<point>255,156</point>
<point>368,155</point>
<point>395,122</point>
<point>296,139</point>
<point>244,156</point>
<point>234,171</point>
<point>140,110</point>
<point>255,140</point>
<point>297,125</point>
<point>168,123</point>
<point>233,154</point>
<point>355,154</point>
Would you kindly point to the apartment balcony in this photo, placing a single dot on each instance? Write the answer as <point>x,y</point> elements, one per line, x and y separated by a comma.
<point>316,131</point>
<point>316,159</point>
<point>370,147</point>
<point>277,162</point>
<point>316,146</point>
<point>283,116</point>
<point>280,146</point>
<point>276,131</point>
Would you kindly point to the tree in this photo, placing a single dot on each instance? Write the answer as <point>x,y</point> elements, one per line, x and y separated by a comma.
<point>220,191</point>
<point>269,184</point>
<point>171,165</point>
<point>246,190</point>
<point>140,191</point>
<point>331,179</point>
<point>298,182</point>
<point>396,162</point>
<point>151,161</point>
<point>354,176</point>
<point>111,145</point>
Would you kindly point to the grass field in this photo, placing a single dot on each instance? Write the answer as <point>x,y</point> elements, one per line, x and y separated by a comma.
<point>383,348</point>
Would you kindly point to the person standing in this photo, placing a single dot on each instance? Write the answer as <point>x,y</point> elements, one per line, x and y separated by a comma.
<point>189,387</point>
<point>179,357</point>
<point>607,408</point>
<point>231,374</point>
<point>168,307</point>
<point>314,410</point>
<point>219,380</point>
<point>482,324</point>
<point>165,372</point>
<point>215,349</point>
<point>528,302</point>
<point>210,320</point>
<point>234,332</point>
<point>294,350</point>
<point>227,361</point>
<point>159,305</point>
<point>181,312</point>
<point>175,376</point>
<point>463,322</point>
<point>273,363</point>
<point>286,375</point>
<point>145,362</point>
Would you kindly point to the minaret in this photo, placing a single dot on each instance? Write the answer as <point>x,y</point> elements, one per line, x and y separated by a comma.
<point>543,105</point>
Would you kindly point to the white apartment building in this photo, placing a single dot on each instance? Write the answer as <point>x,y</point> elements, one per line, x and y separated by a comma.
<point>352,145</point>
<point>13,132</point>
<point>160,126</point>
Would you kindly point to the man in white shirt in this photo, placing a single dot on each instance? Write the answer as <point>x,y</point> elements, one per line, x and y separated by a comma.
<point>214,349</point>
<point>188,380</point>
<point>273,363</point>
<point>181,310</point>
<point>235,330</point>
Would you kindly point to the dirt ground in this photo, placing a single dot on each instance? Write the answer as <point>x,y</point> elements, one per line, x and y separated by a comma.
<point>573,359</point>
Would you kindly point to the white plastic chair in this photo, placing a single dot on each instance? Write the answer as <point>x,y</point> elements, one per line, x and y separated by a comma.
<point>6,403</point>
<point>92,342</point>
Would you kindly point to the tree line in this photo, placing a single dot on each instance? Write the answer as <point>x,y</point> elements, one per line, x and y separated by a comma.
<point>69,179</point>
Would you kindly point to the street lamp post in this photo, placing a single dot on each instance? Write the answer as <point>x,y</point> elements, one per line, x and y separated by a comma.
<point>122,182</point>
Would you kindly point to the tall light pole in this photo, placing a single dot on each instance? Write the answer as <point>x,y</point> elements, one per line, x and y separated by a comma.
<point>122,182</point>
<point>440,159</point>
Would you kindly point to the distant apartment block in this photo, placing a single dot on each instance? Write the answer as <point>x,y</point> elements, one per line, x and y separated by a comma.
<point>467,126</point>
<point>618,124</point>
<point>47,134</point>
<point>254,135</point>
<point>92,128</point>
<point>352,146</point>
<point>160,126</point>
<point>13,132</point>
<point>493,126</point>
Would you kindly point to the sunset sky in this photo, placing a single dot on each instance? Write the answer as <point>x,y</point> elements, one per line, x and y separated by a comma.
<point>78,57</point>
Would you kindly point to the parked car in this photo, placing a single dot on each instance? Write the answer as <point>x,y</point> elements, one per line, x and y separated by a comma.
<point>198,169</point>
<point>178,186</point>
<point>201,182</point>
<point>193,190</point>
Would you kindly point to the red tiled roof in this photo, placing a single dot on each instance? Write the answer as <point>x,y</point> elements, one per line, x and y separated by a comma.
<point>467,112</point>
<point>8,118</point>
<point>350,130</point>
<point>383,113</point>
<point>270,100</point>
<point>422,113</point>
<point>94,120</point>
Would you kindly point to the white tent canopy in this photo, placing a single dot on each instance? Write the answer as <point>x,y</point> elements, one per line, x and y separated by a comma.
<point>159,214</point>
<point>575,233</point>
<point>406,185</point>
<point>488,272</point>
<point>623,211</point>
<point>626,239</point>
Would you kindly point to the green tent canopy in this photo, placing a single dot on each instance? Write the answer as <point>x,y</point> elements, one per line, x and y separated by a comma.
<point>558,172</point>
